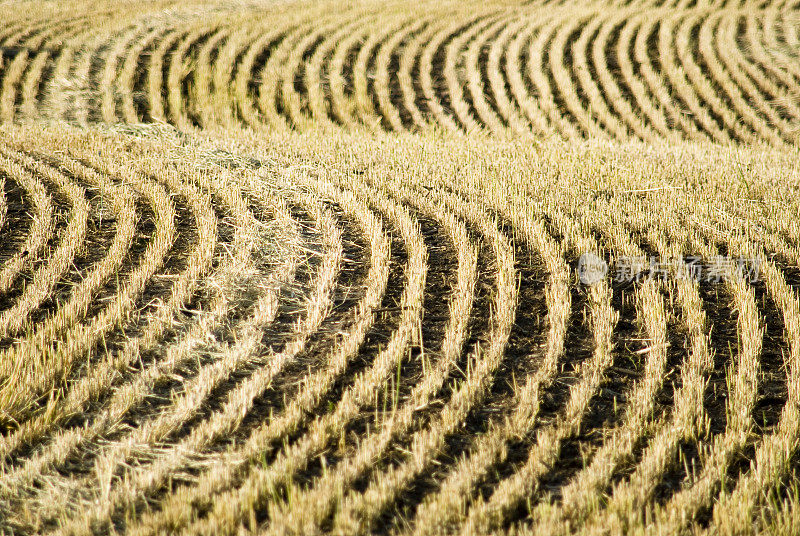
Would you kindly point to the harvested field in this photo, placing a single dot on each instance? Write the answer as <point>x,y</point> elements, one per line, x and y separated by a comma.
<point>286,267</point>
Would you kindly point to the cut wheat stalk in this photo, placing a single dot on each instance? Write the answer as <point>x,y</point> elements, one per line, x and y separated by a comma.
<point>529,106</point>
<point>486,514</point>
<point>315,388</point>
<point>747,101</point>
<point>541,43</point>
<point>656,84</point>
<point>143,443</point>
<point>454,65</point>
<point>45,278</point>
<point>443,508</point>
<point>309,509</point>
<point>499,67</point>
<point>598,101</point>
<point>260,482</point>
<point>40,230</point>
<point>389,112</point>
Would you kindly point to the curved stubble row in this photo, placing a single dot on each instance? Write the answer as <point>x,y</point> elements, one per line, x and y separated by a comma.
<point>573,72</point>
<point>125,288</point>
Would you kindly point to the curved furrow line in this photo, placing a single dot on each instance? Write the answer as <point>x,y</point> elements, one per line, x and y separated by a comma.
<point>736,508</point>
<point>442,509</point>
<point>408,76</point>
<point>318,75</point>
<point>62,85</point>
<point>657,83</point>
<point>586,74</point>
<point>342,108</point>
<point>265,482</point>
<point>432,81</point>
<point>779,58</point>
<point>237,90</point>
<point>540,54</point>
<point>635,71</point>
<point>581,495</point>
<point>792,31</point>
<point>54,358</point>
<point>692,51</point>
<point>40,350</point>
<point>320,499</point>
<point>143,446</point>
<point>38,74</point>
<point>313,390</point>
<point>684,506</point>
<point>562,71</point>
<point>608,60</point>
<point>233,78</point>
<point>133,71</point>
<point>728,75</point>
<point>781,87</point>
<point>40,229</point>
<point>476,60</point>
<point>454,64</point>
<point>504,73</point>
<point>269,90</point>
<point>181,66</point>
<point>201,107</point>
<point>520,88</point>
<point>384,87</point>
<point>83,84</point>
<point>629,498</point>
<point>294,101</point>
<point>122,214</point>
<point>12,32</point>
<point>681,71</point>
<point>158,72</point>
<point>45,278</point>
<point>359,511</point>
<point>488,514</point>
<point>248,93</point>
<point>15,56</point>
<point>109,85</point>
<point>773,450</point>
<point>223,96</point>
<point>128,396</point>
<point>365,107</point>
<point>13,74</point>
